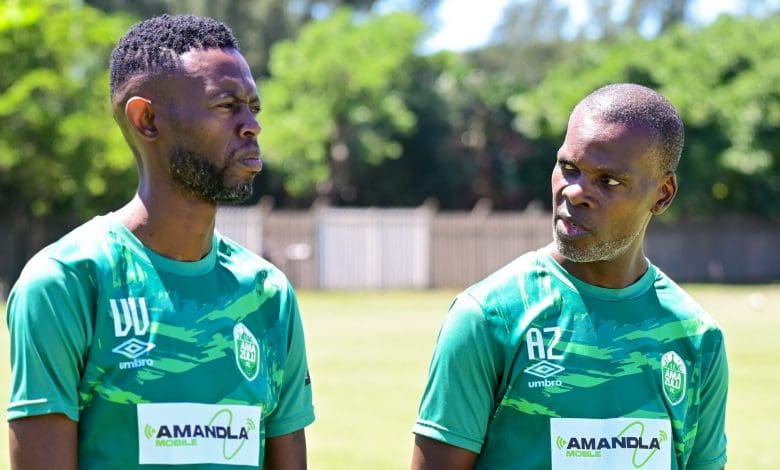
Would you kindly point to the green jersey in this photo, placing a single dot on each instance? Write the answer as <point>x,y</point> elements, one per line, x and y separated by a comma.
<point>535,369</point>
<point>161,362</point>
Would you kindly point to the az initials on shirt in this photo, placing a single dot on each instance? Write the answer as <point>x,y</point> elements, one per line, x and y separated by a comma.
<point>535,341</point>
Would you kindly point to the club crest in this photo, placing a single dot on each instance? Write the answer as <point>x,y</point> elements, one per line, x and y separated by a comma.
<point>247,351</point>
<point>674,376</point>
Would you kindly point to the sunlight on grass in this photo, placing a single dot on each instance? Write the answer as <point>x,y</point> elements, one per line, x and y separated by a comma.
<point>369,353</point>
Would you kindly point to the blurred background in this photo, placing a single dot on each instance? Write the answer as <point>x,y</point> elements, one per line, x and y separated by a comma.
<point>408,146</point>
<point>451,109</point>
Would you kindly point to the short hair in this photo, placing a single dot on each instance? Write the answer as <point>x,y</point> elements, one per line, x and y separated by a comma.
<point>155,45</point>
<point>636,105</point>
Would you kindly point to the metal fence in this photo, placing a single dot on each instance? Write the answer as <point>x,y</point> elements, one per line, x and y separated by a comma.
<point>331,248</point>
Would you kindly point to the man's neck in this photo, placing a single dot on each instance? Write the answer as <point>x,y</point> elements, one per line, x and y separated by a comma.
<point>171,225</point>
<point>613,274</point>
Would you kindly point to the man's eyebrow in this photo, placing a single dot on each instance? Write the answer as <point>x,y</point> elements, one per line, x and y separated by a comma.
<point>222,93</point>
<point>599,169</point>
<point>614,172</point>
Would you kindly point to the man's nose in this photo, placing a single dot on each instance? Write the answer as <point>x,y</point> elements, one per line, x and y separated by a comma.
<point>250,126</point>
<point>578,192</point>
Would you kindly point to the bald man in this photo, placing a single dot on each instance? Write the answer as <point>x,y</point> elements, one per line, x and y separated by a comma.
<point>583,354</point>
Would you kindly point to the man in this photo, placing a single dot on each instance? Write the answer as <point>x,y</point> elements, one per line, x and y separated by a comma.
<point>583,354</point>
<point>144,337</point>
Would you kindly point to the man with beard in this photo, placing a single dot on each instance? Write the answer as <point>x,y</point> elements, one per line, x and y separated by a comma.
<point>583,354</point>
<point>144,337</point>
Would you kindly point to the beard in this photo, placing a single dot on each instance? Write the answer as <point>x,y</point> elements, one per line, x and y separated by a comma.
<point>602,251</point>
<point>198,176</point>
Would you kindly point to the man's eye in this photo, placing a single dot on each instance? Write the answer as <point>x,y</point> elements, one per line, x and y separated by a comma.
<point>609,181</point>
<point>567,166</point>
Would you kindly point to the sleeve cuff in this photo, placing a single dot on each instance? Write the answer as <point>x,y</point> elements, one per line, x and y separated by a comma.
<point>434,431</point>
<point>276,429</point>
<point>26,409</point>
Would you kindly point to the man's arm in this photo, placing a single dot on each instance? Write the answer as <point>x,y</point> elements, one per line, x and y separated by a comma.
<point>287,452</point>
<point>430,454</point>
<point>43,442</point>
<point>459,397</point>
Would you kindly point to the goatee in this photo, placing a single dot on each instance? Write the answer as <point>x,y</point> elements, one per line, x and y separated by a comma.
<point>196,175</point>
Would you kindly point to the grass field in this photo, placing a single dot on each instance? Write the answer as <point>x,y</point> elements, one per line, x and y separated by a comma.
<point>369,353</point>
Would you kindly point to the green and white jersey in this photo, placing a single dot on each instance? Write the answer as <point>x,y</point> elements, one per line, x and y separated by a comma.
<point>161,362</point>
<point>535,369</point>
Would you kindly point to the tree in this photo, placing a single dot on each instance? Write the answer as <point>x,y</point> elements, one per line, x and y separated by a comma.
<point>60,151</point>
<point>723,80</point>
<point>334,100</point>
<point>258,24</point>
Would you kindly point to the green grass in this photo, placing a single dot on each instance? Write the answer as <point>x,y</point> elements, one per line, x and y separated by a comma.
<point>369,353</point>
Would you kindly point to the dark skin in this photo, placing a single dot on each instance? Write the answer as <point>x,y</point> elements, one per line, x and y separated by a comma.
<point>211,106</point>
<point>430,454</point>
<point>606,186</point>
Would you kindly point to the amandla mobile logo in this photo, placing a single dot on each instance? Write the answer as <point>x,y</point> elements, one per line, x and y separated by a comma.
<point>247,351</point>
<point>673,375</point>
<point>184,435</point>
<point>592,447</point>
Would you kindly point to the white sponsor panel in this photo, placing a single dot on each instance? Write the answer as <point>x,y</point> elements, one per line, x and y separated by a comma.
<point>620,443</point>
<point>193,433</point>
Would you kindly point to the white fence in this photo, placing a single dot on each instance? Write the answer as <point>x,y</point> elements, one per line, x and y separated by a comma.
<point>373,248</point>
<point>331,248</point>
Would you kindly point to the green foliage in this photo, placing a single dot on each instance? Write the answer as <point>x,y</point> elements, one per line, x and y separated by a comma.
<point>479,154</point>
<point>353,113</point>
<point>257,24</point>
<point>59,148</point>
<point>335,95</point>
<point>723,80</point>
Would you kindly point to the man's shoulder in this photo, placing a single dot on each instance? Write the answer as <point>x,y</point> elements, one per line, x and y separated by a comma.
<point>681,304</point>
<point>73,258</point>
<point>239,254</point>
<point>241,259</point>
<point>514,286</point>
<point>528,265</point>
<point>83,243</point>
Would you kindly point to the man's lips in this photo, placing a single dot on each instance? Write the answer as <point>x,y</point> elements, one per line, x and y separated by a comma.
<point>250,158</point>
<point>570,227</point>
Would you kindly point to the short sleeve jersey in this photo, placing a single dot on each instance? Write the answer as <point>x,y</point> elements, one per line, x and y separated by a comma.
<point>535,369</point>
<point>161,362</point>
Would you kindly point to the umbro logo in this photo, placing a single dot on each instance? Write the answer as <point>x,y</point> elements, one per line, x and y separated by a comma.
<point>131,316</point>
<point>544,369</point>
<point>133,347</point>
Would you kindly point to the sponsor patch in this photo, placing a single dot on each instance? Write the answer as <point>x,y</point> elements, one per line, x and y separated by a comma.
<point>624,443</point>
<point>195,433</point>
<point>674,376</point>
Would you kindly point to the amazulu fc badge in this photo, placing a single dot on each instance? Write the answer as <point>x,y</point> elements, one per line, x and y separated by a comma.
<point>673,374</point>
<point>247,351</point>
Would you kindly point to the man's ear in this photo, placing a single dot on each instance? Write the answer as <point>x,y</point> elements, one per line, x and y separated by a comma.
<point>667,191</point>
<point>140,116</point>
